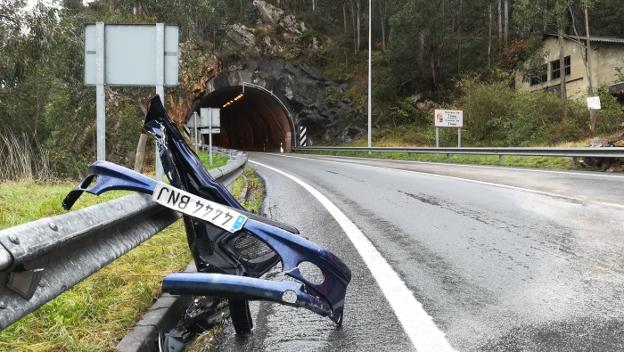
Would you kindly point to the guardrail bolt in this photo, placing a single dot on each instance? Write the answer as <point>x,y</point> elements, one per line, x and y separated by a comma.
<point>53,226</point>
<point>3,305</point>
<point>14,239</point>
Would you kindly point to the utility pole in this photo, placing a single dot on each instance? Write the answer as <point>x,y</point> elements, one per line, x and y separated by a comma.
<point>370,73</point>
<point>590,85</point>
<point>490,36</point>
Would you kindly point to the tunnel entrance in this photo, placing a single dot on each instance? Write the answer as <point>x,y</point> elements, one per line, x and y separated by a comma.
<point>252,119</point>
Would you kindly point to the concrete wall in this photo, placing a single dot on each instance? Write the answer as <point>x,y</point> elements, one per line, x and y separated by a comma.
<point>606,58</point>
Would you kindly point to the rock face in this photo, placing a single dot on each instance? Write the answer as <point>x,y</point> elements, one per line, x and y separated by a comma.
<point>312,101</point>
<point>269,14</point>
<point>262,54</point>
<point>242,36</point>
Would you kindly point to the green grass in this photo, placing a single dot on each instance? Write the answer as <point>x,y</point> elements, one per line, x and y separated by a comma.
<point>516,161</point>
<point>254,197</point>
<point>95,314</point>
<point>218,159</point>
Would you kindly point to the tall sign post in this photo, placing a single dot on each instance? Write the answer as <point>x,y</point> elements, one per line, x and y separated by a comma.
<point>129,55</point>
<point>370,76</point>
<point>210,123</point>
<point>196,132</point>
<point>100,97</point>
<point>160,82</point>
<point>448,119</point>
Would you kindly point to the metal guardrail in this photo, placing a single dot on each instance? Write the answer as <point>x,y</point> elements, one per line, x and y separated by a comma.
<point>40,260</point>
<point>606,152</point>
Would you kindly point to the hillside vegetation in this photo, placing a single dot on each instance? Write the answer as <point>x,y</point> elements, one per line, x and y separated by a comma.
<point>426,54</point>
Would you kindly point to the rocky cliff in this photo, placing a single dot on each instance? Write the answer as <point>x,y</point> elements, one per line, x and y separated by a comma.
<point>269,55</point>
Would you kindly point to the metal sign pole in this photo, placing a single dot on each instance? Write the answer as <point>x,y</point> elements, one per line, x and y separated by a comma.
<point>100,97</point>
<point>196,133</point>
<point>370,76</point>
<point>459,138</point>
<point>210,135</point>
<point>437,137</point>
<point>160,83</point>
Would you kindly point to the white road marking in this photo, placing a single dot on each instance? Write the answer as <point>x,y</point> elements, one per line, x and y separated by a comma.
<point>515,188</point>
<point>442,164</point>
<point>418,325</point>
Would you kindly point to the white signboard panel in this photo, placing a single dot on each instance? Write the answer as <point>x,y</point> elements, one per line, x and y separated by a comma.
<point>449,118</point>
<point>207,131</point>
<point>593,103</point>
<point>204,117</point>
<point>129,55</point>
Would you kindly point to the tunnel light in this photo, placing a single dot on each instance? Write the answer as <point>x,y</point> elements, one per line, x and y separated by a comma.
<point>236,98</point>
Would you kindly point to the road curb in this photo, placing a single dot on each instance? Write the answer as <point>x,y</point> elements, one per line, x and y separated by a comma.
<point>163,315</point>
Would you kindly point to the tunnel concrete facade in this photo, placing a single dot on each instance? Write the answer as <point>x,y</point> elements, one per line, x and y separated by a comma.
<point>252,118</point>
<point>279,98</point>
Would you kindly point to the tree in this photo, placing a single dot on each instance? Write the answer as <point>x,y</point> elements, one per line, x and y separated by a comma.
<point>585,47</point>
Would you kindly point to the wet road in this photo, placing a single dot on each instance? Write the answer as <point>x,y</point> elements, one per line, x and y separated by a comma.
<point>501,259</point>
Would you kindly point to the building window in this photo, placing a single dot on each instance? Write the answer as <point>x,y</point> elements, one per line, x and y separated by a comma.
<point>541,76</point>
<point>555,71</point>
<point>555,67</point>
<point>568,65</point>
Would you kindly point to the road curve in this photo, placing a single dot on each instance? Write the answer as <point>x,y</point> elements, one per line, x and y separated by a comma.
<point>501,259</point>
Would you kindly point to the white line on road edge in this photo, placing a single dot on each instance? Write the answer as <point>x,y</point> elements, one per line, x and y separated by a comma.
<point>515,188</point>
<point>468,166</point>
<point>418,325</point>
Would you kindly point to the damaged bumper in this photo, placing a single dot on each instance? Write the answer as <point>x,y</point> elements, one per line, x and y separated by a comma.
<point>229,260</point>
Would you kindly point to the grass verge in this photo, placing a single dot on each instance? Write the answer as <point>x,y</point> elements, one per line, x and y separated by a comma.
<point>95,314</point>
<point>218,159</point>
<point>249,190</point>
<point>516,161</point>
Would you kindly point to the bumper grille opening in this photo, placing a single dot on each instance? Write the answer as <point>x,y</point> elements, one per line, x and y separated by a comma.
<point>248,247</point>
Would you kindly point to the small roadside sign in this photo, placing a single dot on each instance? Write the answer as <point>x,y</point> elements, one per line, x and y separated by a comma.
<point>207,130</point>
<point>209,117</point>
<point>449,118</point>
<point>593,103</point>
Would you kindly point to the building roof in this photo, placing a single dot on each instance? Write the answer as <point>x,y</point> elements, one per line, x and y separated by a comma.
<point>612,40</point>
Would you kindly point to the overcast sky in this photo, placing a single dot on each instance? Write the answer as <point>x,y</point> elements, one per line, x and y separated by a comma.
<point>31,3</point>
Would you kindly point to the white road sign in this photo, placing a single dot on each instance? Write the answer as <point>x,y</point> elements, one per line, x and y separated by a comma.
<point>593,103</point>
<point>207,130</point>
<point>209,117</point>
<point>449,118</point>
<point>130,54</point>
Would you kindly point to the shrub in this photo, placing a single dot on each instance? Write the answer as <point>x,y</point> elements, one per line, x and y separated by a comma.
<point>487,109</point>
<point>23,158</point>
<point>610,117</point>
<point>496,114</point>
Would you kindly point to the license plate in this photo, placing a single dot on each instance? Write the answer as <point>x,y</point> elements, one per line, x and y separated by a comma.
<point>197,207</point>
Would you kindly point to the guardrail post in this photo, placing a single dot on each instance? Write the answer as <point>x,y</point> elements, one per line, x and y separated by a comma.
<point>501,159</point>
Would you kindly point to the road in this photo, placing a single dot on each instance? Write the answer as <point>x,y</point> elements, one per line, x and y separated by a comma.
<point>501,259</point>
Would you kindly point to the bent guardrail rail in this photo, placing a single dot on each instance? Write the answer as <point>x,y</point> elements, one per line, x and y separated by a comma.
<point>40,260</point>
<point>606,152</point>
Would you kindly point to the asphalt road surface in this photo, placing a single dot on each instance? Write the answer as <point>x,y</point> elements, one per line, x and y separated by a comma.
<point>501,259</point>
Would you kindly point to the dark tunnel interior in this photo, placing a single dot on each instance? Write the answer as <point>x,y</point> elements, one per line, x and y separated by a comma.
<point>257,121</point>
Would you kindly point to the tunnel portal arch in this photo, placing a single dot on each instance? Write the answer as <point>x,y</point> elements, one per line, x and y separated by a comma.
<point>257,121</point>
